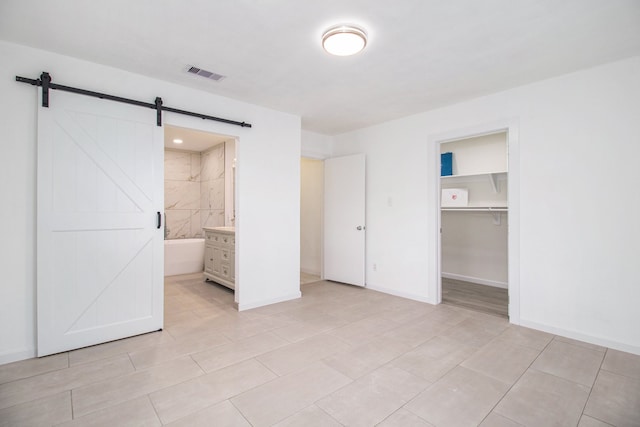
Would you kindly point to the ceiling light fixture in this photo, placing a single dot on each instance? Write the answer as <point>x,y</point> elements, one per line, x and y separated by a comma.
<point>344,40</point>
<point>177,141</point>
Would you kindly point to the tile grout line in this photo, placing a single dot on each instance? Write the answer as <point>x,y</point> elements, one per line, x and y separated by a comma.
<point>573,381</point>
<point>259,385</point>
<point>39,373</point>
<point>325,412</point>
<point>571,343</point>
<point>197,364</point>
<point>148,396</point>
<point>516,382</point>
<point>71,401</point>
<point>410,411</point>
<point>136,371</point>
<point>267,368</point>
<point>217,402</point>
<point>239,411</point>
<point>120,353</point>
<point>427,387</point>
<point>594,383</point>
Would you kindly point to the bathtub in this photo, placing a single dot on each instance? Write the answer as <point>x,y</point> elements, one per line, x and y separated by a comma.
<point>183,256</point>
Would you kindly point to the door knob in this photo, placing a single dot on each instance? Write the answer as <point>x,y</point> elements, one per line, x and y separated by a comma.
<point>359,227</point>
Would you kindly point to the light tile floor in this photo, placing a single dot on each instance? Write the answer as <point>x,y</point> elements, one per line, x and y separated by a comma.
<point>340,355</point>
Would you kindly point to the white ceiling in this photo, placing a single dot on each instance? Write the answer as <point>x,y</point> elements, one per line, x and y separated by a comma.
<point>422,54</point>
<point>192,140</point>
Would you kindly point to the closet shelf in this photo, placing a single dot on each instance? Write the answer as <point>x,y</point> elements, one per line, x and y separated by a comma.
<point>471,175</point>
<point>493,178</point>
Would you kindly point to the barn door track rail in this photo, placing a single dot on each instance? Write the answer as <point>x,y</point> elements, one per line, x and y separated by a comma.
<point>45,82</point>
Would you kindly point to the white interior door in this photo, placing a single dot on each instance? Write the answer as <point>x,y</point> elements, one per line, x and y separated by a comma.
<point>344,219</point>
<point>100,246</point>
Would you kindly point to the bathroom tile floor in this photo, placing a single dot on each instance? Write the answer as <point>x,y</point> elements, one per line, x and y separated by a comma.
<point>340,355</point>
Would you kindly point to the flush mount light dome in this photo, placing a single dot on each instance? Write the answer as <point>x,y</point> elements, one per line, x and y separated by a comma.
<point>177,141</point>
<point>344,40</point>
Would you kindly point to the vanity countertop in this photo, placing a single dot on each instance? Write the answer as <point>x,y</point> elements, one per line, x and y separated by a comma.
<point>229,230</point>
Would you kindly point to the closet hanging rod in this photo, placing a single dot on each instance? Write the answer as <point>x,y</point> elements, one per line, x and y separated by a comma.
<point>45,82</point>
<point>478,209</point>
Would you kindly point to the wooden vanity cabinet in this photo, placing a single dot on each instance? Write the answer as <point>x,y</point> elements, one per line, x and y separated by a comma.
<point>220,255</point>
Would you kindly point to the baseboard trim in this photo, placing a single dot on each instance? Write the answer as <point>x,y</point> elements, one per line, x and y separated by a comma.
<point>256,304</point>
<point>308,271</point>
<point>15,356</point>
<point>407,295</point>
<point>477,280</point>
<point>581,337</point>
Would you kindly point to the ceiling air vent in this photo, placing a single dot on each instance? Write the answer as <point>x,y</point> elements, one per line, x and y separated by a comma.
<point>204,73</point>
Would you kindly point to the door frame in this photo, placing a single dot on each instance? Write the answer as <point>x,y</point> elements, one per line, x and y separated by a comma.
<point>187,122</point>
<point>321,230</point>
<point>510,126</point>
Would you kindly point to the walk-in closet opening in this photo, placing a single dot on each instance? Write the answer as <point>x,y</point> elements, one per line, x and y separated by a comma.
<point>199,226</point>
<point>474,218</point>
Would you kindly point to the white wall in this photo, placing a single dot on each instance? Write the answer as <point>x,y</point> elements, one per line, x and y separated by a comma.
<point>579,141</point>
<point>474,248</point>
<point>316,145</point>
<point>268,180</point>
<point>311,211</point>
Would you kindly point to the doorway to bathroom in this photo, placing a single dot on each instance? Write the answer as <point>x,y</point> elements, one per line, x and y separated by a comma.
<point>199,200</point>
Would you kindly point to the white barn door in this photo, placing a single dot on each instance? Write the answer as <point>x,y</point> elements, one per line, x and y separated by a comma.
<point>344,219</point>
<point>100,247</point>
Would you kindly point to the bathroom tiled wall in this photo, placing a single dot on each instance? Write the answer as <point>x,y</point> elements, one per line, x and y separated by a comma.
<point>212,187</point>
<point>193,191</point>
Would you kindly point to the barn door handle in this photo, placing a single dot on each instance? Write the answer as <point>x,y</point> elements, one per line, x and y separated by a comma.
<point>159,220</point>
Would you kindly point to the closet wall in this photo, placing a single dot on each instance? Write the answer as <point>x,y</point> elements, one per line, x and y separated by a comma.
<point>474,237</point>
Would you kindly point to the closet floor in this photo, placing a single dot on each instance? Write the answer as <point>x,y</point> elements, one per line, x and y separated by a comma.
<point>486,299</point>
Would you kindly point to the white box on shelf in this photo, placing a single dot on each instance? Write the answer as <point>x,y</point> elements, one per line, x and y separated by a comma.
<point>454,197</point>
